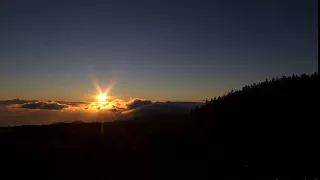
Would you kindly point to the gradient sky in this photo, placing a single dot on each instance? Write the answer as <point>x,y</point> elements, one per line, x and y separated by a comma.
<point>158,50</point>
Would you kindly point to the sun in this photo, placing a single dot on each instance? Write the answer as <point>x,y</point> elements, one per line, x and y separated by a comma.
<point>102,98</point>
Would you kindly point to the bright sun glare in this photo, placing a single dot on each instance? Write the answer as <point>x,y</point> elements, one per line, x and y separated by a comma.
<point>102,97</point>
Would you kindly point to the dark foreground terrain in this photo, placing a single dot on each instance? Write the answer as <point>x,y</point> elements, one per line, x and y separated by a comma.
<point>263,131</point>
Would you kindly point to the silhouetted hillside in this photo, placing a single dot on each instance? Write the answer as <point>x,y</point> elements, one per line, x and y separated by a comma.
<point>267,128</point>
<point>264,130</point>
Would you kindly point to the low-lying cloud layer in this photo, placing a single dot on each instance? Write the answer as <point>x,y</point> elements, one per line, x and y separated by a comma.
<point>44,105</point>
<point>138,103</point>
<point>22,112</point>
<point>165,108</point>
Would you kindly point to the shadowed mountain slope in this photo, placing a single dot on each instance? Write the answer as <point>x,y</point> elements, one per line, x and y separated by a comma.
<point>267,128</point>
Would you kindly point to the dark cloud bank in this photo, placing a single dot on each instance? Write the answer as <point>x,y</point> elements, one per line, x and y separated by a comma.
<point>44,105</point>
<point>138,103</point>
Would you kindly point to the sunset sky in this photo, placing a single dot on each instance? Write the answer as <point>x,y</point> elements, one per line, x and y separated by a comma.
<point>153,49</point>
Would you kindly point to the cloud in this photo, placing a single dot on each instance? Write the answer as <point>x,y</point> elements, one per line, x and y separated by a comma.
<point>48,112</point>
<point>164,108</point>
<point>14,115</point>
<point>113,104</point>
<point>116,104</point>
<point>44,105</point>
<point>138,103</point>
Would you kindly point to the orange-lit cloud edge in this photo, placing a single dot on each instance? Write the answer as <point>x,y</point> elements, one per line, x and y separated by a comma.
<point>104,101</point>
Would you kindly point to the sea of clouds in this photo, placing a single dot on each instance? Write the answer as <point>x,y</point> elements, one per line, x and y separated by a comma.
<point>22,112</point>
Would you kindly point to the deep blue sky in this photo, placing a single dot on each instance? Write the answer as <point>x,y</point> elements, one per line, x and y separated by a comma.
<point>159,50</point>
